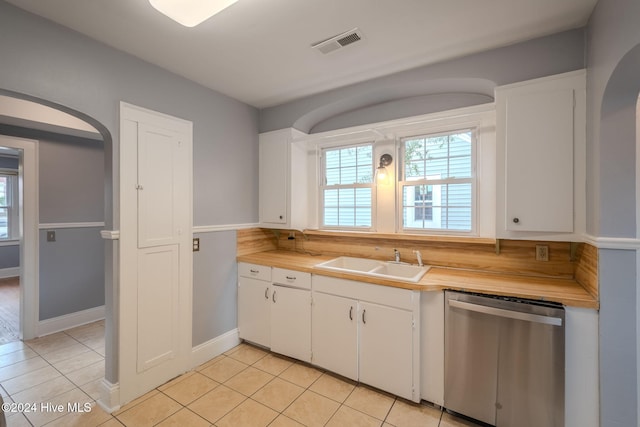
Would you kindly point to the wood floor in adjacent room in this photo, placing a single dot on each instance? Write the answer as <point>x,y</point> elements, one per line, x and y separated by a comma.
<point>9,310</point>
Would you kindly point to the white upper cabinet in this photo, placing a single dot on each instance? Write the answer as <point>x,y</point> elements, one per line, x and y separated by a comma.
<point>283,180</point>
<point>541,158</point>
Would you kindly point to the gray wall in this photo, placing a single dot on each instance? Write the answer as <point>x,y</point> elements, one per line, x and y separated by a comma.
<point>71,190</point>
<point>214,285</point>
<point>430,88</point>
<point>71,181</point>
<point>88,79</point>
<point>9,256</point>
<point>71,271</point>
<point>613,84</point>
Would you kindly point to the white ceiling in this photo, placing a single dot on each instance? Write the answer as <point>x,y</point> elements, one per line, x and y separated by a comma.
<point>258,51</point>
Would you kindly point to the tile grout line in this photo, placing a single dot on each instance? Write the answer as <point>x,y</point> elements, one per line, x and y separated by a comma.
<point>48,363</point>
<point>308,388</point>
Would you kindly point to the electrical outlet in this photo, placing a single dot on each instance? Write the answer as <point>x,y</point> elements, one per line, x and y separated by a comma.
<point>542,253</point>
<point>196,244</point>
<point>51,236</point>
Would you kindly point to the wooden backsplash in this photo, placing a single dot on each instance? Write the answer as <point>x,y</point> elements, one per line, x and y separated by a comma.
<point>515,257</point>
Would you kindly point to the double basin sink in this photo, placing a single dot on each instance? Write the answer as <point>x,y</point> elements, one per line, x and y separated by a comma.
<point>374,268</point>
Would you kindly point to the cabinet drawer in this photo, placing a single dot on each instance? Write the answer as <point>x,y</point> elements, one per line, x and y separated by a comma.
<point>296,279</point>
<point>254,271</point>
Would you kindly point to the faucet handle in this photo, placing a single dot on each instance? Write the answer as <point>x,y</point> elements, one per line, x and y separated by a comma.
<point>419,256</point>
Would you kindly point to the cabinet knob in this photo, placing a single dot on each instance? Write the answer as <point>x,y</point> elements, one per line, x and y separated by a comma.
<point>516,220</point>
<point>280,216</point>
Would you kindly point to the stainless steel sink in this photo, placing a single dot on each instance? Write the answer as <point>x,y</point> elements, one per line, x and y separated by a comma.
<point>374,268</point>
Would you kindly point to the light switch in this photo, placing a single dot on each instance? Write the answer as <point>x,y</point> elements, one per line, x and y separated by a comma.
<point>51,236</point>
<point>196,244</point>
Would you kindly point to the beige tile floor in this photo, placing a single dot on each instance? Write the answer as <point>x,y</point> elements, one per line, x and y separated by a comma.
<point>246,386</point>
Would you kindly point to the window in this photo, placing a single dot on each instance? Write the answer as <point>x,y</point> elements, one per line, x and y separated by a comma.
<point>8,205</point>
<point>347,187</point>
<point>437,183</point>
<point>424,203</point>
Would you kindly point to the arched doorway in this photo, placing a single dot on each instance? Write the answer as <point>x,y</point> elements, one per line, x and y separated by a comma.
<point>31,126</point>
<point>619,214</point>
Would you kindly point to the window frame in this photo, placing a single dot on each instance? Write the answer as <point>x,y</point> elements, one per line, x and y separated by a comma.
<point>13,220</point>
<point>322,179</point>
<point>473,180</point>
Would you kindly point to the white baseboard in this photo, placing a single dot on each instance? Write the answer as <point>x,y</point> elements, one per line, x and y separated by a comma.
<point>68,321</point>
<point>215,347</point>
<point>109,396</point>
<point>9,272</point>
<point>110,393</point>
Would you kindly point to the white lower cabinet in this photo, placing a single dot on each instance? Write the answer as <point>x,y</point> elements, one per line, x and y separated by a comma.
<point>335,334</point>
<point>386,348</point>
<point>291,314</point>
<point>254,308</point>
<point>291,322</point>
<point>368,333</point>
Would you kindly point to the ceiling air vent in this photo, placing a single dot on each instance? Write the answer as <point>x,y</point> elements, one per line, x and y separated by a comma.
<point>338,41</point>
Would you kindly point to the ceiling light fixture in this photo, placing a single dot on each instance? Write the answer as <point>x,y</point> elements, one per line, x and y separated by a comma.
<point>190,12</point>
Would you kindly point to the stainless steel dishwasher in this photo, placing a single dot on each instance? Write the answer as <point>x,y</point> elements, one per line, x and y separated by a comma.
<point>504,360</point>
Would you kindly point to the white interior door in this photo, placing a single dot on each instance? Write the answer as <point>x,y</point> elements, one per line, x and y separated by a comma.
<point>156,259</point>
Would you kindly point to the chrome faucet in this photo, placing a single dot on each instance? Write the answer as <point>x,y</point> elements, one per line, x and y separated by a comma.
<point>419,256</point>
<point>396,253</point>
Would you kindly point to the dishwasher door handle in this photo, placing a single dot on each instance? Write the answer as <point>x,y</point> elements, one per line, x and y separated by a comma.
<point>527,317</point>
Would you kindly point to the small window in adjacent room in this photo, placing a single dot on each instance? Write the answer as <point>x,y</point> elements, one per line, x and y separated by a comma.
<point>8,205</point>
<point>347,188</point>
<point>437,186</point>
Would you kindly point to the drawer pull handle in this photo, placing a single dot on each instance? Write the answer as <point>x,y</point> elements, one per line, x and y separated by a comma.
<point>254,271</point>
<point>351,313</point>
<point>274,296</point>
<point>291,277</point>
<point>266,293</point>
<point>364,320</point>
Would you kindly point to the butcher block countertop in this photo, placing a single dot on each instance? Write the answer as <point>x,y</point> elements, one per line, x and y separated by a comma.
<point>565,291</point>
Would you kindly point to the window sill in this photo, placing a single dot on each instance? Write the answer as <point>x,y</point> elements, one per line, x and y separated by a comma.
<point>401,236</point>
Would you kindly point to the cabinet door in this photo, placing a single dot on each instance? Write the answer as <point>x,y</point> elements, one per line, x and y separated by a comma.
<point>539,161</point>
<point>386,348</point>
<point>291,322</point>
<point>254,310</point>
<point>274,177</point>
<point>335,334</point>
